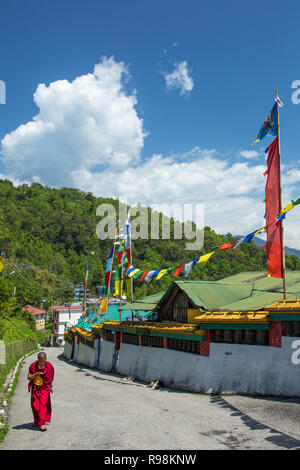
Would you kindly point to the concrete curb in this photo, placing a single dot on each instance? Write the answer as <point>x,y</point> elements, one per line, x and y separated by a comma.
<point>10,382</point>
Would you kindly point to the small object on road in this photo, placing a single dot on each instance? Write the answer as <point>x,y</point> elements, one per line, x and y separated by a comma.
<point>156,384</point>
<point>129,379</point>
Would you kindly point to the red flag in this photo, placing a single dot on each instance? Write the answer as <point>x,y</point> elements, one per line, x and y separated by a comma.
<point>144,275</point>
<point>226,246</point>
<point>178,270</point>
<point>273,207</point>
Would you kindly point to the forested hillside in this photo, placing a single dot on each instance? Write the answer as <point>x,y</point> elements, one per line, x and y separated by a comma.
<point>47,233</point>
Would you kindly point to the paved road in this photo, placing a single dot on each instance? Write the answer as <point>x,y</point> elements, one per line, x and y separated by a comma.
<point>96,410</point>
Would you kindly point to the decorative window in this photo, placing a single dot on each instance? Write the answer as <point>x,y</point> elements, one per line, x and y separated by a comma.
<point>185,345</point>
<point>130,338</point>
<point>256,337</point>
<point>291,328</point>
<point>154,341</point>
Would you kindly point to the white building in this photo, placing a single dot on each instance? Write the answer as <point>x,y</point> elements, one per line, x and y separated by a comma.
<point>64,317</point>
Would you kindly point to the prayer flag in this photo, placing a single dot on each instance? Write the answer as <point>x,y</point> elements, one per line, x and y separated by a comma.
<point>144,275</point>
<point>274,235</point>
<point>270,125</point>
<point>127,236</point>
<point>130,270</point>
<point>161,274</point>
<point>178,270</point>
<point>249,237</point>
<point>226,246</point>
<point>205,258</point>
<point>109,261</point>
<point>150,274</point>
<point>138,274</point>
<point>187,268</point>
<point>133,271</point>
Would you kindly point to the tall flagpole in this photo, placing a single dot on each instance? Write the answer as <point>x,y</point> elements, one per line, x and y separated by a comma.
<point>281,221</point>
<point>85,284</point>
<point>112,264</point>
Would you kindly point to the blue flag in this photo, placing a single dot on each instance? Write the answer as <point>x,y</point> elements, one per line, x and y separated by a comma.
<point>270,125</point>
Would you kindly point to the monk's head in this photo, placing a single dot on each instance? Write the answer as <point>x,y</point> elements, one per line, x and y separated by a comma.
<point>42,359</point>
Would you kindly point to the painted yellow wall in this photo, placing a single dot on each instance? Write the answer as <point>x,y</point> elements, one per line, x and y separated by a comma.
<point>192,313</point>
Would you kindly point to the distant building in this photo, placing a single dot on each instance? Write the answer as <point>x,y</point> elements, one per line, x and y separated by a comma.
<point>39,316</point>
<point>64,316</point>
<point>79,291</point>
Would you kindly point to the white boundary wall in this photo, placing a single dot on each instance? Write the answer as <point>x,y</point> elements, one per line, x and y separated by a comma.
<point>106,355</point>
<point>230,368</point>
<point>68,350</point>
<point>86,355</point>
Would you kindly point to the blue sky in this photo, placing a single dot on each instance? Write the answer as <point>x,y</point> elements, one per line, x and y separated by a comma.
<point>235,55</point>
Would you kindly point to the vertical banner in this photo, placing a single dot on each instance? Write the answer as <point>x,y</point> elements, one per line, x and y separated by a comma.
<point>273,207</point>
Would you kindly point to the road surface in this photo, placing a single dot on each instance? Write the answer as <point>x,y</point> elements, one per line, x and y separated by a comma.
<point>104,411</point>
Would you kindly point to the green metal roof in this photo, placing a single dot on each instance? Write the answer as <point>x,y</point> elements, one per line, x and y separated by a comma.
<point>245,291</point>
<point>262,282</point>
<point>113,314</point>
<point>258,301</point>
<point>209,295</point>
<point>146,303</point>
<point>267,290</point>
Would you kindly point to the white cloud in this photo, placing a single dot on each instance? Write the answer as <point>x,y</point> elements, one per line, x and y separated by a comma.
<point>179,78</point>
<point>250,154</point>
<point>88,135</point>
<point>83,124</point>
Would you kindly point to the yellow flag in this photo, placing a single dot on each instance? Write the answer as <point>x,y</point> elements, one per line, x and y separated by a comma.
<point>1,264</point>
<point>117,288</point>
<point>161,274</point>
<point>287,208</point>
<point>132,273</point>
<point>103,306</point>
<point>128,287</point>
<point>260,230</point>
<point>205,258</point>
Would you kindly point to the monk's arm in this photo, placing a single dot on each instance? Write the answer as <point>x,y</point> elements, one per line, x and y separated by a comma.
<point>32,376</point>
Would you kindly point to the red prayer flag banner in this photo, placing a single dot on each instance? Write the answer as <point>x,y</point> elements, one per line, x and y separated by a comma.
<point>274,235</point>
<point>178,270</point>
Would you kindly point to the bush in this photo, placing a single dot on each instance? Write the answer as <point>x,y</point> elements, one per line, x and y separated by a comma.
<point>14,351</point>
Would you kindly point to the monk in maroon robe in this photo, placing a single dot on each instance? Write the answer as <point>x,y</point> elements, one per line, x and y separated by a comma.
<point>40,376</point>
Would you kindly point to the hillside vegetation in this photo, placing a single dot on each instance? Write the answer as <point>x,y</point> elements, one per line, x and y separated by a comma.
<point>47,234</point>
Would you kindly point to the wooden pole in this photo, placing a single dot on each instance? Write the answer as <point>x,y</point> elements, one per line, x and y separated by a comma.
<point>281,222</point>
<point>85,284</point>
<point>130,261</point>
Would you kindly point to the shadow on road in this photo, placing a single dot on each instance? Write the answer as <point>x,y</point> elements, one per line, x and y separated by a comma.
<point>98,374</point>
<point>278,438</point>
<point>26,426</point>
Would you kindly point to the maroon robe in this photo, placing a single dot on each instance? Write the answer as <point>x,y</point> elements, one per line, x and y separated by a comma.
<point>40,394</point>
